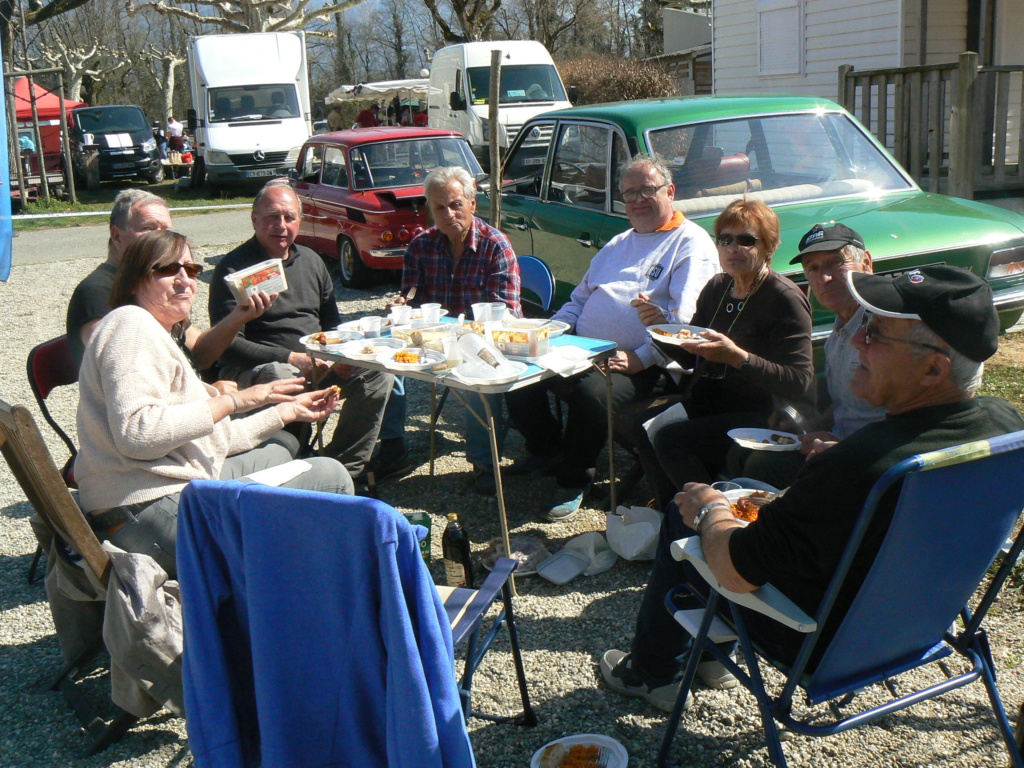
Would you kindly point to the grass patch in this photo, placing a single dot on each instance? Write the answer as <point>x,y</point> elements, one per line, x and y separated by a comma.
<point>101,199</point>
<point>1004,381</point>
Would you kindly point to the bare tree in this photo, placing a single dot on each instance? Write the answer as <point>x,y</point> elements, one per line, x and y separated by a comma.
<point>464,21</point>
<point>250,15</point>
<point>95,61</point>
<point>36,13</point>
<point>162,66</point>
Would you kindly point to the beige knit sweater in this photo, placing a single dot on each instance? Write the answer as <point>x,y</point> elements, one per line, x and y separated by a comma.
<point>143,421</point>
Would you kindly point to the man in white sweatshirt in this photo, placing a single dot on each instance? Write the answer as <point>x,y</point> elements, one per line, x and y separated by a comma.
<point>665,258</point>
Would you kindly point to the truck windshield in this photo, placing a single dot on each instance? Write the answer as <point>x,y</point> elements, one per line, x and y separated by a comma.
<point>253,102</point>
<point>110,119</point>
<point>519,83</point>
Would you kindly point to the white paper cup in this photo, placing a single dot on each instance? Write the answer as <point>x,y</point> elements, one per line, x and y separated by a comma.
<point>431,313</point>
<point>497,311</point>
<point>482,312</point>
<point>401,314</point>
<point>452,353</point>
<point>370,326</point>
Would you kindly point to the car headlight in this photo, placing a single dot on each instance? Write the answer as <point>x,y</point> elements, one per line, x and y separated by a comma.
<point>149,145</point>
<point>213,157</point>
<point>293,155</point>
<point>1006,262</point>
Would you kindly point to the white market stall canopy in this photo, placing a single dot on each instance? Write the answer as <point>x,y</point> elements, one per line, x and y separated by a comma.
<point>384,90</point>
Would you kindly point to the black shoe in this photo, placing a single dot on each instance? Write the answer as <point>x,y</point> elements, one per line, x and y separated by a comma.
<point>392,459</point>
<point>532,465</point>
<point>483,480</point>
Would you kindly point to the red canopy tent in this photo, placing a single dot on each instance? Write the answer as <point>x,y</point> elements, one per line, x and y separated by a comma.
<point>48,109</point>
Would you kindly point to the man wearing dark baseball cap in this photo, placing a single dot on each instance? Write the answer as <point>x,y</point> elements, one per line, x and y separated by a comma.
<point>921,353</point>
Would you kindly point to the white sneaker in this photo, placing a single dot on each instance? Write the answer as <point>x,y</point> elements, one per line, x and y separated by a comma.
<point>714,675</point>
<point>618,672</point>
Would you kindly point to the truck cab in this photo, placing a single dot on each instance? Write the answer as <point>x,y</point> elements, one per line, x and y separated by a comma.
<point>112,143</point>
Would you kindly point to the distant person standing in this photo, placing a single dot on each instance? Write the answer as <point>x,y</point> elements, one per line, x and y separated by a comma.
<point>175,135</point>
<point>368,117</point>
<point>335,122</point>
<point>161,140</point>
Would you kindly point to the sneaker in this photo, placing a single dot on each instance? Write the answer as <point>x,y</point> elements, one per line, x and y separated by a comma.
<point>532,465</point>
<point>714,675</point>
<point>617,670</point>
<point>566,510</point>
<point>483,480</point>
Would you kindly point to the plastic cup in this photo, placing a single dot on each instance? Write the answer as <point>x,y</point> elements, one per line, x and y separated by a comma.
<point>401,314</point>
<point>370,326</point>
<point>497,311</point>
<point>482,312</point>
<point>723,486</point>
<point>431,313</point>
<point>452,353</point>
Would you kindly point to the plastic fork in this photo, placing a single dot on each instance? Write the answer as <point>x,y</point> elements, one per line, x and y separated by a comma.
<point>796,418</point>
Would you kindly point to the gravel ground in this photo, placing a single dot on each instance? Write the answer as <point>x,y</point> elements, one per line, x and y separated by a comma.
<point>564,629</point>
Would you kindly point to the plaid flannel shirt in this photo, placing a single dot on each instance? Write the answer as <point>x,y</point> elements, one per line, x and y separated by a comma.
<point>487,271</point>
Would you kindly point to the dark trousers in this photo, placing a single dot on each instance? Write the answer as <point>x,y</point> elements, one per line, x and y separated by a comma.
<point>586,424</point>
<point>689,451</point>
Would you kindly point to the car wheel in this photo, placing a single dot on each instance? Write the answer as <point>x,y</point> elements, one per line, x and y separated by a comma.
<point>156,176</point>
<point>198,173</point>
<point>354,274</point>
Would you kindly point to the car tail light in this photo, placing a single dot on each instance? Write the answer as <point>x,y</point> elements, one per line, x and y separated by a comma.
<point>387,236</point>
<point>403,235</point>
<point>1006,262</point>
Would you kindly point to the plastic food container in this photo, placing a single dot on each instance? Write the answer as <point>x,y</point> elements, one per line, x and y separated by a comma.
<point>562,567</point>
<point>523,339</point>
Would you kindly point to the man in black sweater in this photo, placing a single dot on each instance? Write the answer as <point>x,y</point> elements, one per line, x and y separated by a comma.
<point>922,349</point>
<point>268,348</point>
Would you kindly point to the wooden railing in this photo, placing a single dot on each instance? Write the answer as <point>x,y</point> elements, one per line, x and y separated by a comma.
<point>956,127</point>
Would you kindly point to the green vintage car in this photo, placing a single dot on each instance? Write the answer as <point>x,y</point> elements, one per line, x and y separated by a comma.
<point>806,157</point>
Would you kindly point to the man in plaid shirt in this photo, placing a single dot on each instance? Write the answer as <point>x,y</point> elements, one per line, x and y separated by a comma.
<point>456,263</point>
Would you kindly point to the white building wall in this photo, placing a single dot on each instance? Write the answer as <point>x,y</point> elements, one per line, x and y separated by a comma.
<point>863,34</point>
<point>684,30</point>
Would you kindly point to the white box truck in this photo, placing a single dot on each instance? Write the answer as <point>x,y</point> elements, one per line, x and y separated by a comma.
<point>250,99</point>
<point>460,81</point>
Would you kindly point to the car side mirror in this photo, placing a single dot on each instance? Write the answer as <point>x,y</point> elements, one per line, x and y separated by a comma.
<point>293,174</point>
<point>574,94</point>
<point>483,183</point>
<point>193,120</point>
<point>455,101</point>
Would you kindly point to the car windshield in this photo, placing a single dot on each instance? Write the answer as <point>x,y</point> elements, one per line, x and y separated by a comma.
<point>111,119</point>
<point>406,162</point>
<point>519,83</point>
<point>253,102</point>
<point>776,158</point>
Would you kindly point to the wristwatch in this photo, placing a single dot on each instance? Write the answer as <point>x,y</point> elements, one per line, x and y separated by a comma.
<point>699,517</point>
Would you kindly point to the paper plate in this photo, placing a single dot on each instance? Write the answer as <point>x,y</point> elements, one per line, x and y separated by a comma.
<point>354,349</point>
<point>341,335</point>
<point>518,367</point>
<point>666,333</point>
<point>416,314</point>
<point>613,753</point>
<point>428,357</point>
<point>558,327</point>
<point>357,325</point>
<point>527,550</point>
<point>764,439</point>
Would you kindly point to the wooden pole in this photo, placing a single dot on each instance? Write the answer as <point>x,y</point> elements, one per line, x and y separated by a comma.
<point>39,139</point>
<point>961,155</point>
<point>66,142</point>
<point>493,99</point>
<point>12,121</point>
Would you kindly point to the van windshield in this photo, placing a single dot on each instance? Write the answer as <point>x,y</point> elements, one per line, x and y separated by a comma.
<point>253,102</point>
<point>110,120</point>
<point>519,83</point>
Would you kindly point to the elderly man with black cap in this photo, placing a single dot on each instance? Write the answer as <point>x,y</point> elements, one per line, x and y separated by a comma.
<point>828,252</point>
<point>921,350</point>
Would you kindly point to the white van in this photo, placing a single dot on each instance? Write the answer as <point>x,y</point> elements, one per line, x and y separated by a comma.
<point>250,98</point>
<point>460,85</point>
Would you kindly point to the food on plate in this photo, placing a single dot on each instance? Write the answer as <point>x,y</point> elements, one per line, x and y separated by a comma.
<point>682,333</point>
<point>746,508</point>
<point>323,339</point>
<point>778,440</point>
<point>576,756</point>
<point>369,349</point>
<point>406,356</point>
<point>475,326</point>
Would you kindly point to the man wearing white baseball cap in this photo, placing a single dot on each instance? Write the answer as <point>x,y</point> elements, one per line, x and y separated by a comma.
<point>921,349</point>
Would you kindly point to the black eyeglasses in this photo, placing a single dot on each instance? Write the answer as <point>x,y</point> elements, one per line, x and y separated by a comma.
<point>632,195</point>
<point>745,240</point>
<point>870,334</point>
<point>170,270</point>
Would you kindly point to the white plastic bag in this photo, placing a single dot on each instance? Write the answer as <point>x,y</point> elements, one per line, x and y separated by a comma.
<point>593,546</point>
<point>633,532</point>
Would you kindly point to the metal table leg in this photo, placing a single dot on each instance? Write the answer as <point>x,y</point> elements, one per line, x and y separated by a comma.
<point>433,429</point>
<point>611,441</point>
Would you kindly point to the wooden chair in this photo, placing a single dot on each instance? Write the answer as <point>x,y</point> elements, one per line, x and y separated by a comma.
<point>26,454</point>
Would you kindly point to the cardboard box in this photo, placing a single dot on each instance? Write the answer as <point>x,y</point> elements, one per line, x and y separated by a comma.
<point>266,276</point>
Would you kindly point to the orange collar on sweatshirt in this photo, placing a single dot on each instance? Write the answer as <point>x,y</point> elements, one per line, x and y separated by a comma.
<point>674,223</point>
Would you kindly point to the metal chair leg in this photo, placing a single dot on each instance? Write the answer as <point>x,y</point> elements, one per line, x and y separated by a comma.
<point>32,578</point>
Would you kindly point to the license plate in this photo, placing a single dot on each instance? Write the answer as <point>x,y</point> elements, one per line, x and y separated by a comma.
<point>258,173</point>
<point>122,166</point>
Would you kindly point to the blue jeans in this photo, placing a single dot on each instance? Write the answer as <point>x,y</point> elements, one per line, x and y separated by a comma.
<point>392,426</point>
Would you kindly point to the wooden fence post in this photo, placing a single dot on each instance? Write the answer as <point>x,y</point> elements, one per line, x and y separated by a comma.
<point>961,147</point>
<point>844,72</point>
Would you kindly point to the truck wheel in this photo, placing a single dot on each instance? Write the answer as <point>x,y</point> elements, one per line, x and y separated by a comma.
<point>354,274</point>
<point>198,173</point>
<point>156,176</point>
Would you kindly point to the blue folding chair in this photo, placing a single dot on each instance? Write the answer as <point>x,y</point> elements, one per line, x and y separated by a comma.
<point>537,279</point>
<point>936,552</point>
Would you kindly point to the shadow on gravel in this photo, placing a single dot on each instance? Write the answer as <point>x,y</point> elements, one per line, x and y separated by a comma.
<point>14,575</point>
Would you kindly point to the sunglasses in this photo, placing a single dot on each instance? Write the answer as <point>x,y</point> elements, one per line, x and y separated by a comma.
<point>170,270</point>
<point>870,335</point>
<point>632,195</point>
<point>747,241</point>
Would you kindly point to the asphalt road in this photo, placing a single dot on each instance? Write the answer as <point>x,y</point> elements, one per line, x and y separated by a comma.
<point>67,243</point>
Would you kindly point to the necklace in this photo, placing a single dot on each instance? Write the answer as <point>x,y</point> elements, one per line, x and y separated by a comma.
<point>740,304</point>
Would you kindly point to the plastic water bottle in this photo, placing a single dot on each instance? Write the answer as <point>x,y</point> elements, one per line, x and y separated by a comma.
<point>458,567</point>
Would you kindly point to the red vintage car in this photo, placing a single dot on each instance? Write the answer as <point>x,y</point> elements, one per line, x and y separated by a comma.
<point>362,193</point>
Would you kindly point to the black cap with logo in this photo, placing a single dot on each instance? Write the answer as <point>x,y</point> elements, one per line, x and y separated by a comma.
<point>827,237</point>
<point>953,302</point>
